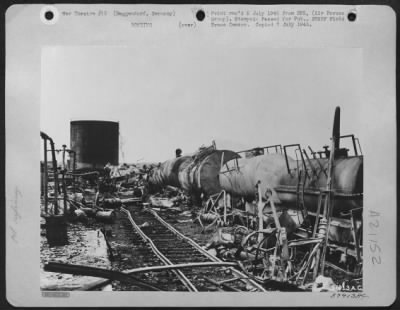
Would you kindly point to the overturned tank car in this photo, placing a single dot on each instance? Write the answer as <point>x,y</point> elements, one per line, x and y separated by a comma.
<point>296,184</point>
<point>196,175</point>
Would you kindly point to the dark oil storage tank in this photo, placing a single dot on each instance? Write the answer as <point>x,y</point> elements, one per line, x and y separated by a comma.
<point>96,143</point>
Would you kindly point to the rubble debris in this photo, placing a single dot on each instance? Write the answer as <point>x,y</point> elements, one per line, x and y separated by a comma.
<point>239,194</point>
<point>161,202</point>
<point>130,200</point>
<point>90,212</point>
<point>105,216</point>
<point>184,221</point>
<point>111,203</point>
<point>145,224</point>
<point>80,215</point>
<point>323,284</point>
<point>219,238</point>
<point>212,251</point>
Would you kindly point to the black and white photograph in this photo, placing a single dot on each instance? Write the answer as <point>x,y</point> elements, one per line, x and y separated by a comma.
<point>201,190</point>
<point>198,149</point>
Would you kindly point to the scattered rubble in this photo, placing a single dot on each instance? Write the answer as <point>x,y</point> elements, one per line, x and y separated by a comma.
<point>80,212</point>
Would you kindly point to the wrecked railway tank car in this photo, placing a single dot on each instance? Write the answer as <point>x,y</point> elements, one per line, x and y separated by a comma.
<point>239,177</point>
<point>347,184</point>
<point>310,207</point>
<point>202,174</point>
<point>297,184</point>
<point>300,216</point>
<point>196,175</point>
<point>168,172</point>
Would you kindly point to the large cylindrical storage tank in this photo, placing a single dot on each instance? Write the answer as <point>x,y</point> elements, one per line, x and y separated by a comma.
<point>95,143</point>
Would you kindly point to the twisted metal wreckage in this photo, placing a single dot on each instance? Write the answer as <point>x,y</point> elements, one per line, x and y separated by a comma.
<point>297,221</point>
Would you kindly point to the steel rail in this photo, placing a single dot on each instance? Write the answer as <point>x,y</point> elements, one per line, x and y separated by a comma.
<point>179,266</point>
<point>189,285</point>
<point>236,272</point>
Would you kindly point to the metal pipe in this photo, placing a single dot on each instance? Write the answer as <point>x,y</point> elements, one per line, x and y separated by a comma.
<point>310,163</point>
<point>275,214</point>
<point>179,266</point>
<point>260,207</point>
<point>312,152</point>
<point>316,264</point>
<point>63,156</point>
<point>329,205</point>
<point>45,182</point>
<point>355,237</point>
<point>264,147</point>
<point>73,169</point>
<point>309,262</point>
<point>83,174</point>
<point>317,216</point>
<point>224,207</point>
<point>46,137</point>
<point>73,165</point>
<point>349,273</point>
<point>354,145</point>
<point>359,145</point>
<point>53,155</point>
<point>286,158</point>
<point>302,159</point>
<point>98,272</point>
<point>64,193</point>
<point>297,150</point>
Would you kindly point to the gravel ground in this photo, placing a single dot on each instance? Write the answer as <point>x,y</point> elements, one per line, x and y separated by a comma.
<point>84,245</point>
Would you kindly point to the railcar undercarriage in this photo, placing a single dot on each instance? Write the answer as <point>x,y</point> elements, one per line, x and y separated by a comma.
<point>285,246</point>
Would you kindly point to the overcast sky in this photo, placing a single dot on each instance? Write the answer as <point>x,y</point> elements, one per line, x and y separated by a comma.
<point>186,97</point>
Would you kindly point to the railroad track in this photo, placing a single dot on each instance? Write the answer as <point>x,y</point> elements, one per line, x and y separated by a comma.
<point>202,271</point>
